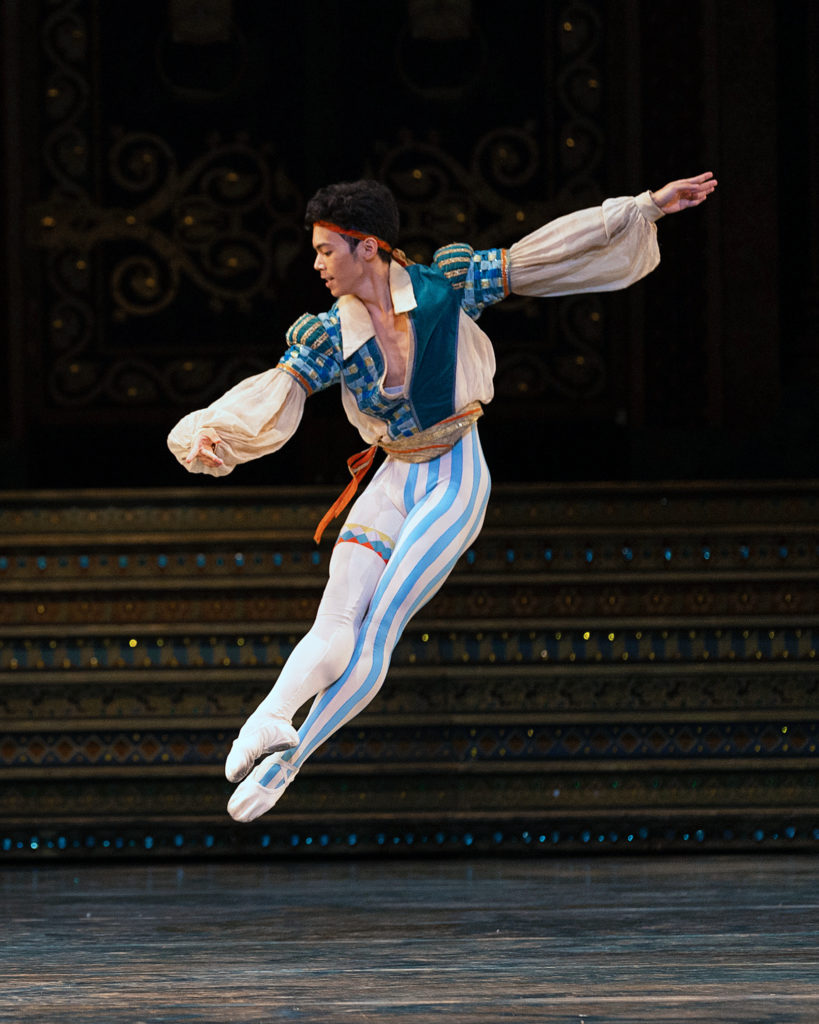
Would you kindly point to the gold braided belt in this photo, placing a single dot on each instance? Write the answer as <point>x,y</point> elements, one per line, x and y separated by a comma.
<point>428,444</point>
<point>424,446</point>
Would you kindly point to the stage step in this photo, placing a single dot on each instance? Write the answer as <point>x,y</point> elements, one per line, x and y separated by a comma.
<point>610,667</point>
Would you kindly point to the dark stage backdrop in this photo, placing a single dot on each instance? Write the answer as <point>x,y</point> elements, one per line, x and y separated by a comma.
<point>158,156</point>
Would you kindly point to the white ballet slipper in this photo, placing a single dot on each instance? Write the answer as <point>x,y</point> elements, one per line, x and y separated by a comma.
<point>261,734</point>
<point>253,797</point>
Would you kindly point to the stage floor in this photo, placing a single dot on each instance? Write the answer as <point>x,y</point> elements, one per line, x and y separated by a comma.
<point>722,940</point>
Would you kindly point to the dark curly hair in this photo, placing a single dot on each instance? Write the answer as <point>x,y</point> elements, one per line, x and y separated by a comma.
<point>366,206</point>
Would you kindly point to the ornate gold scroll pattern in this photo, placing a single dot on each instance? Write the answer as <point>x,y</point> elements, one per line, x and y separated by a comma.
<point>229,223</point>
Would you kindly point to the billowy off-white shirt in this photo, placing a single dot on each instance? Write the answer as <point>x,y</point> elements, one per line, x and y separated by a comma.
<point>598,249</point>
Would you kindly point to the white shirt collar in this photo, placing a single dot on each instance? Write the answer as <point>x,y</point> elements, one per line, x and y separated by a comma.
<point>356,325</point>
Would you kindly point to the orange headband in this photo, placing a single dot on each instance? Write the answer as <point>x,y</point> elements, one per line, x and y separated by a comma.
<point>360,235</point>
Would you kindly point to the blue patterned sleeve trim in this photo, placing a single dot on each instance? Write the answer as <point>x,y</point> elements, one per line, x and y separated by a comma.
<point>481,275</point>
<point>311,355</point>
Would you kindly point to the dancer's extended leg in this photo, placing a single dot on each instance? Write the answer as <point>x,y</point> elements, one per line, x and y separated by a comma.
<point>447,501</point>
<point>317,660</point>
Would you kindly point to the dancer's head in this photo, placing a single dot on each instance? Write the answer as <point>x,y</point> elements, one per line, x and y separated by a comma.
<point>367,209</point>
<point>355,226</point>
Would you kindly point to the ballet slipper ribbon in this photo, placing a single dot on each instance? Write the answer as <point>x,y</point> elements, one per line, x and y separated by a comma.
<point>359,466</point>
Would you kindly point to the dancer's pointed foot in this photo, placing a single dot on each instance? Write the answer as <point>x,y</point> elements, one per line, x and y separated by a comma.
<point>261,734</point>
<point>262,789</point>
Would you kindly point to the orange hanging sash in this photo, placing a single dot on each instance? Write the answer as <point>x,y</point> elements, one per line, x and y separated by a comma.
<point>359,466</point>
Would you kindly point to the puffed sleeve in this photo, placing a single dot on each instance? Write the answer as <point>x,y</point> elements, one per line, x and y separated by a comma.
<point>259,414</point>
<point>480,276</point>
<point>600,249</point>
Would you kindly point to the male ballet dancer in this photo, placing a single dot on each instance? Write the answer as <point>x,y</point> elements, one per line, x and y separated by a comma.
<point>415,370</point>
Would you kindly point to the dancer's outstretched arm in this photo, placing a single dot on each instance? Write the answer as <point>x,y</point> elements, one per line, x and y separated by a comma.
<point>601,248</point>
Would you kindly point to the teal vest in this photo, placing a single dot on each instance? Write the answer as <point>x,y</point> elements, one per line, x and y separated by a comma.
<point>432,374</point>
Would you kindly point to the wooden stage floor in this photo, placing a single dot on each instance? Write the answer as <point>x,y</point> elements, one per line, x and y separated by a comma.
<point>733,940</point>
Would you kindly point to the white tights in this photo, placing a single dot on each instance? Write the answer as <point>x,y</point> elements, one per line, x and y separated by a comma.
<point>321,656</point>
<point>421,517</point>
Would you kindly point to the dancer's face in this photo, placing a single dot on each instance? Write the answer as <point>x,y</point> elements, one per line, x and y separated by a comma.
<point>341,268</point>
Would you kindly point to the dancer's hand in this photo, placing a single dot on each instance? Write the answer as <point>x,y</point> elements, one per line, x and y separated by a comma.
<point>204,449</point>
<point>685,193</point>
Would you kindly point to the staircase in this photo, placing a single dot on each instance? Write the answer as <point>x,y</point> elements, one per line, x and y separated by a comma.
<point>612,668</point>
